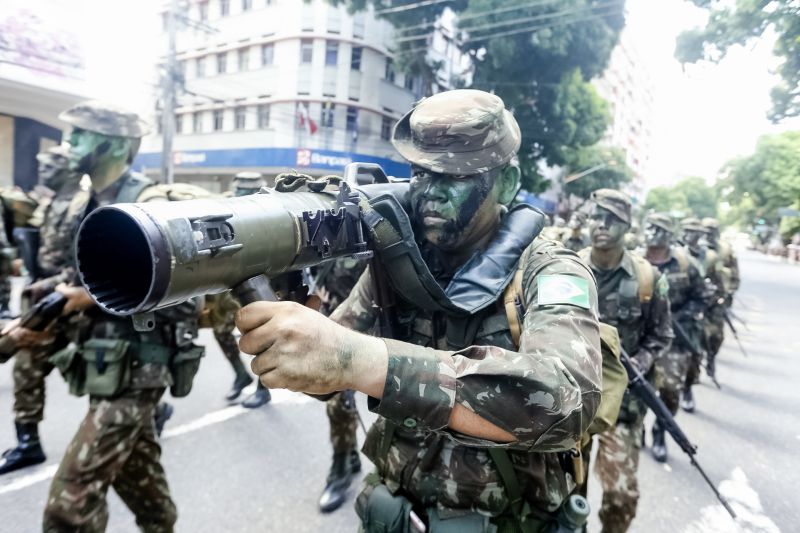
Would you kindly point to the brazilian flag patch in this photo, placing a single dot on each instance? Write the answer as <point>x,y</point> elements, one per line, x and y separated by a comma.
<point>561,289</point>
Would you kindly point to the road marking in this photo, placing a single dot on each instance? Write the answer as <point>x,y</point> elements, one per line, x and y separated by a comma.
<point>745,503</point>
<point>280,396</point>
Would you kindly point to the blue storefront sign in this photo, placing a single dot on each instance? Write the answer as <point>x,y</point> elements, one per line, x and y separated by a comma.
<point>296,158</point>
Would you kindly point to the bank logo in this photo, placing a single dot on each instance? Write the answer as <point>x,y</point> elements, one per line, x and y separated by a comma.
<point>186,158</point>
<point>303,157</point>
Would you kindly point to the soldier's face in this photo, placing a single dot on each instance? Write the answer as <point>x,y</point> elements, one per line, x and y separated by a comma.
<point>453,211</point>
<point>51,170</point>
<point>606,229</point>
<point>691,237</point>
<point>656,236</point>
<point>90,150</point>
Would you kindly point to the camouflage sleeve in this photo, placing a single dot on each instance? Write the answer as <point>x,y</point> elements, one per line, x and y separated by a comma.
<point>698,299</point>
<point>657,335</point>
<point>545,395</point>
<point>357,311</point>
<point>734,268</point>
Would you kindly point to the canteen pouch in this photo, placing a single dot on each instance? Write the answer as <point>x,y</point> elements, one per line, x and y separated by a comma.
<point>386,513</point>
<point>67,362</point>
<point>183,368</point>
<point>108,366</point>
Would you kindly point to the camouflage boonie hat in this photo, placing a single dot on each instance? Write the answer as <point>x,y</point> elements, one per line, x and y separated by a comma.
<point>105,118</point>
<point>57,155</point>
<point>615,201</point>
<point>661,220</point>
<point>458,132</point>
<point>248,180</point>
<point>692,223</point>
<point>710,224</point>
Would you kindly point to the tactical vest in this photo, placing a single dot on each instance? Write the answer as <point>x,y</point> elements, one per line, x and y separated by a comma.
<point>679,281</point>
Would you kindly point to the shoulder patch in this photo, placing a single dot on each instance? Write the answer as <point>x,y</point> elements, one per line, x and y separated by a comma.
<point>662,286</point>
<point>562,289</point>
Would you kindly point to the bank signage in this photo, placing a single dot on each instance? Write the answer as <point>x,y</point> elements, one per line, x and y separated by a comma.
<point>300,158</point>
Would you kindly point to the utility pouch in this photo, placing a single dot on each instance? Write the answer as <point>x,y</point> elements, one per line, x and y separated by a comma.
<point>458,522</point>
<point>183,368</point>
<point>67,361</point>
<point>386,513</point>
<point>108,366</point>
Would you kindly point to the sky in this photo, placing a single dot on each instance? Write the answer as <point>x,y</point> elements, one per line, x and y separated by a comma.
<point>704,114</point>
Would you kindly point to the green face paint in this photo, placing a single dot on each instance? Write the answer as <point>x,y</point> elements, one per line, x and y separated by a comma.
<point>607,230</point>
<point>103,157</point>
<point>453,211</point>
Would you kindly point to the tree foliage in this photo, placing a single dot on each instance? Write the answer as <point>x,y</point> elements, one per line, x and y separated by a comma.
<point>613,172</point>
<point>742,22</point>
<point>689,197</point>
<point>758,185</point>
<point>538,56</point>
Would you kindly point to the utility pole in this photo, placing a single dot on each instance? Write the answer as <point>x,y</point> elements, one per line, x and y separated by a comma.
<point>168,96</point>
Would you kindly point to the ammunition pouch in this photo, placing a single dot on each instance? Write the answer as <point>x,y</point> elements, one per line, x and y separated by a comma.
<point>68,362</point>
<point>108,366</point>
<point>183,368</point>
<point>385,512</point>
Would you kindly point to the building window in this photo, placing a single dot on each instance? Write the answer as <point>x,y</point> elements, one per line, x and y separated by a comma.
<point>388,73</point>
<point>331,53</point>
<point>247,5</point>
<point>244,57</point>
<point>409,84</point>
<point>197,122</point>
<point>306,51</point>
<point>328,110</point>
<point>203,11</point>
<point>386,128</point>
<point>219,120</point>
<point>267,54</point>
<point>352,119</point>
<point>224,8</point>
<point>222,63</point>
<point>263,116</point>
<point>178,124</point>
<point>201,67</point>
<point>240,116</point>
<point>355,58</point>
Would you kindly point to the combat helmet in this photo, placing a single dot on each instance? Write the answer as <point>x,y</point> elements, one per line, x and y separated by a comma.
<point>108,119</point>
<point>692,224</point>
<point>711,225</point>
<point>247,183</point>
<point>459,132</point>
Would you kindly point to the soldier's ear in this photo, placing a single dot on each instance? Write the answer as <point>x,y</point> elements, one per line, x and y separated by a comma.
<point>121,148</point>
<point>508,184</point>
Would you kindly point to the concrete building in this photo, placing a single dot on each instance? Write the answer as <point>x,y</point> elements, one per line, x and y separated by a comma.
<point>41,74</point>
<point>272,85</point>
<point>628,87</point>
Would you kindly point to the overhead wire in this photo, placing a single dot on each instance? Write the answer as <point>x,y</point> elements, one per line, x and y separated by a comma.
<point>408,7</point>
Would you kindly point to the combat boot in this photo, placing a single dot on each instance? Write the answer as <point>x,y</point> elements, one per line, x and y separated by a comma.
<point>163,413</point>
<point>260,397</point>
<point>687,400</point>
<point>241,381</point>
<point>344,466</point>
<point>28,451</point>
<point>711,369</point>
<point>659,447</point>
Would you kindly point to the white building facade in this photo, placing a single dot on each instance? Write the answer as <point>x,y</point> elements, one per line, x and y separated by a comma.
<point>629,89</point>
<point>272,85</point>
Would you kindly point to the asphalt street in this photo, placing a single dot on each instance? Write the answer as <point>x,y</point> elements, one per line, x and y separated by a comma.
<point>236,470</point>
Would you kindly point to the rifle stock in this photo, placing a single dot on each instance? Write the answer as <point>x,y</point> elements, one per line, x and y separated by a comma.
<point>36,318</point>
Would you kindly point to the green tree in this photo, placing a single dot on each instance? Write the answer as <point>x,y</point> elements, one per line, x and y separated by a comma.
<point>743,21</point>
<point>611,172</point>
<point>758,185</point>
<point>538,56</point>
<point>689,197</point>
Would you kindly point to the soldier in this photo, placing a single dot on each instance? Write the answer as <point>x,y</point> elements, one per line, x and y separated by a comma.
<point>730,264</point>
<point>633,297</point>
<point>474,432</point>
<point>31,365</point>
<point>337,281</point>
<point>16,210</point>
<point>220,310</point>
<point>576,240</point>
<point>693,231</point>
<point>124,371</point>
<point>687,298</point>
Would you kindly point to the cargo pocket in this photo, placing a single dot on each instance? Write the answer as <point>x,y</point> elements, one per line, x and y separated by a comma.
<point>183,368</point>
<point>68,362</point>
<point>108,368</point>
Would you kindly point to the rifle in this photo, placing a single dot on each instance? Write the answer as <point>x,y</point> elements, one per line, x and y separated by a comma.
<point>683,336</point>
<point>36,318</point>
<point>733,330</point>
<point>642,388</point>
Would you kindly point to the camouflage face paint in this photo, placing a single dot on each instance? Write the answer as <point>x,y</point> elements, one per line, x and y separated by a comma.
<point>691,237</point>
<point>656,236</point>
<point>453,211</point>
<point>607,230</point>
<point>103,157</point>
